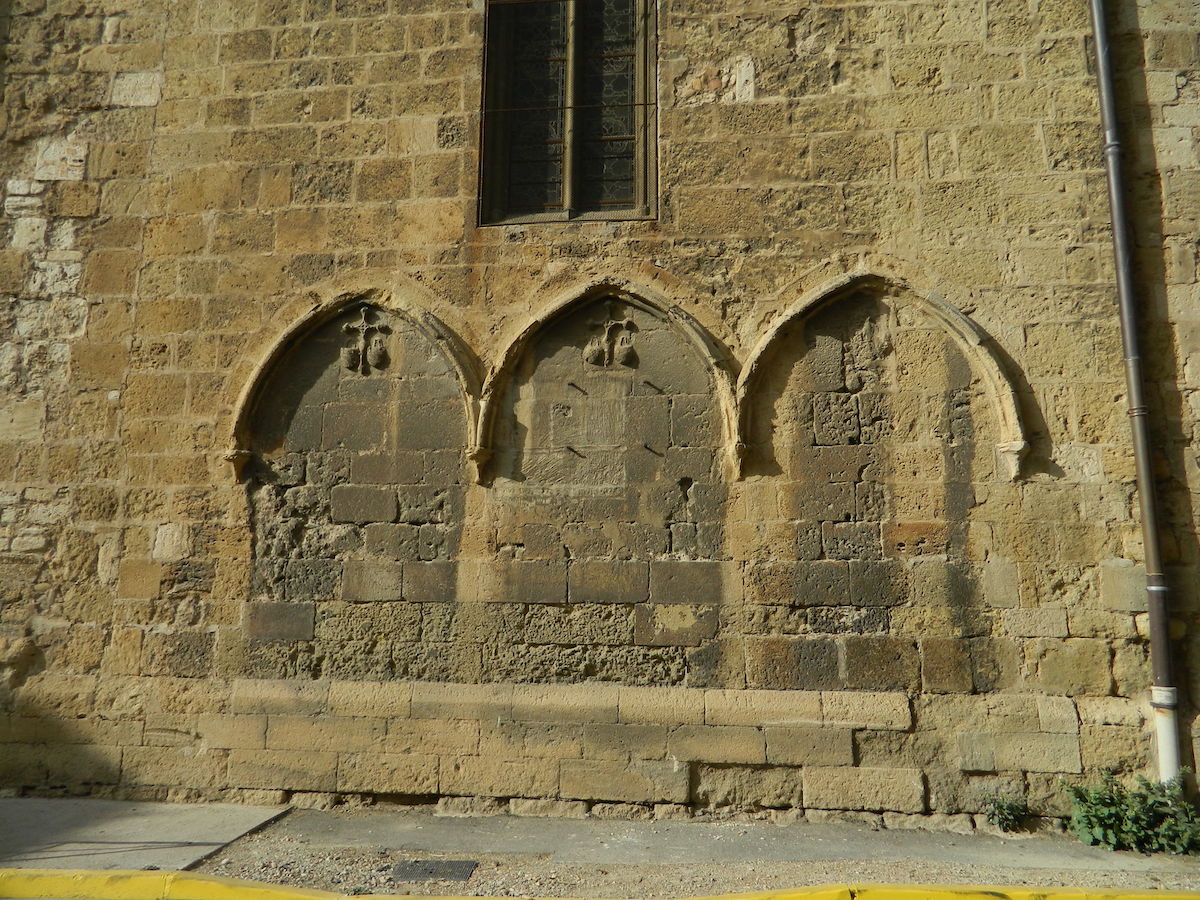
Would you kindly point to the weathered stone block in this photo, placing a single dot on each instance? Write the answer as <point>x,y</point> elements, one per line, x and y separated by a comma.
<point>739,786</point>
<point>861,709</point>
<point>898,790</point>
<point>305,732</point>
<point>229,732</point>
<point>676,625</point>
<point>660,705</point>
<point>1017,752</point>
<point>792,663</point>
<point>565,703</point>
<point>685,581</point>
<point>430,582</point>
<point>387,773</point>
<point>882,663</point>
<point>810,745</point>
<point>267,621</point>
<point>749,707</point>
<point>717,743</point>
<point>608,581</point>
<point>371,580</point>
<point>639,781</point>
<point>607,741</point>
<point>494,777</point>
<point>289,770</point>
<point>369,698</point>
<point>945,665</point>
<point>530,581</point>
<point>432,700</point>
<point>278,696</point>
<point>363,503</point>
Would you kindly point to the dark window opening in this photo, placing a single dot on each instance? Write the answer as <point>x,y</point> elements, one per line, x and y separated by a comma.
<point>568,110</point>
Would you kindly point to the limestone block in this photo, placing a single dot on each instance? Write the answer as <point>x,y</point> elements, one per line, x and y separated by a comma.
<point>60,159</point>
<point>492,777</point>
<point>685,581</point>
<point>565,703</point>
<point>862,709</point>
<point>289,770</point>
<point>717,743</point>
<point>851,540</point>
<point>370,698</point>
<point>792,663</point>
<point>882,663</point>
<point>387,773</point>
<point>445,737</point>
<point>139,579</point>
<point>820,583</point>
<point>73,766</point>
<point>945,665</point>
<point>1042,622</point>
<point>660,705</point>
<point>811,745</point>
<point>1018,752</point>
<point>557,809</point>
<point>1072,666</point>
<point>1122,586</point>
<point>174,766</point>
<point>771,787</point>
<point>530,581</point>
<point>1111,711</point>
<point>363,503</point>
<point>845,787</point>
<point>57,695</point>
<point>372,580</point>
<point>271,621</point>
<point>278,697</point>
<point>1058,715</point>
<point>229,732</point>
<point>136,89</point>
<point>608,581</point>
<point>433,700</point>
<point>430,582</point>
<point>752,707</point>
<point>675,625</point>
<point>1114,746</point>
<point>639,781</point>
<point>622,742</point>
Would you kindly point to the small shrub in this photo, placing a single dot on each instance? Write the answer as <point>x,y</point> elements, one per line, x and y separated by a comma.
<point>1007,813</point>
<point>1152,817</point>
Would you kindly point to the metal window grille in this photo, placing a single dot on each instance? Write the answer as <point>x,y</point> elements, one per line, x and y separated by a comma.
<point>568,110</point>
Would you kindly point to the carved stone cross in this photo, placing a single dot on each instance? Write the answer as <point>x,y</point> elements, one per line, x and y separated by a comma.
<point>614,343</point>
<point>368,350</point>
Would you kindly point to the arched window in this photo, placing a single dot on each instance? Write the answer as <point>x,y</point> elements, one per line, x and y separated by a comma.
<point>568,110</point>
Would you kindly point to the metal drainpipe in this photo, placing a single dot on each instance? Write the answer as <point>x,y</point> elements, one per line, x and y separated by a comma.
<point>1163,694</point>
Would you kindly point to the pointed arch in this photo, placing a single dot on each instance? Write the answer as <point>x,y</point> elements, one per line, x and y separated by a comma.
<point>314,310</point>
<point>976,345</point>
<point>720,362</point>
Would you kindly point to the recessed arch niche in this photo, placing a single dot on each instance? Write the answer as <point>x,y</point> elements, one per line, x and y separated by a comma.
<point>354,462</point>
<point>608,464</point>
<point>872,432</point>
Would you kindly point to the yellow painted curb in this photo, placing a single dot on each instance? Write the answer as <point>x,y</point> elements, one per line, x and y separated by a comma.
<point>78,884</point>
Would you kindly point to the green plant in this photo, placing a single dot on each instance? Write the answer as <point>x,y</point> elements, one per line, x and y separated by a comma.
<point>1007,813</point>
<point>1152,817</point>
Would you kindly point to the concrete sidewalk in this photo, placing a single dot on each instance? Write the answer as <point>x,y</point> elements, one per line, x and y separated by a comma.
<point>114,834</point>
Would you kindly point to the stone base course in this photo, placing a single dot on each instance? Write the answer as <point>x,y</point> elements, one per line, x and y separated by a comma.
<point>550,749</point>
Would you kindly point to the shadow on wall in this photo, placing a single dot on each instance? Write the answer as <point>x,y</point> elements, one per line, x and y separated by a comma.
<point>1135,53</point>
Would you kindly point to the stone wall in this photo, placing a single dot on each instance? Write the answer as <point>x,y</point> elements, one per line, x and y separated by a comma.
<point>814,492</point>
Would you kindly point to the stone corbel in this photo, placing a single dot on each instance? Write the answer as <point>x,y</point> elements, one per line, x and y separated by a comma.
<point>480,457</point>
<point>238,459</point>
<point>1010,455</point>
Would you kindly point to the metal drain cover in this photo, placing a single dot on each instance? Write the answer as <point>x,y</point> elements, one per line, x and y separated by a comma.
<point>433,870</point>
